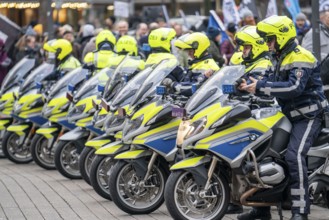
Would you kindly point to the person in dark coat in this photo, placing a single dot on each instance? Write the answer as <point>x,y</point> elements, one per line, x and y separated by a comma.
<point>214,36</point>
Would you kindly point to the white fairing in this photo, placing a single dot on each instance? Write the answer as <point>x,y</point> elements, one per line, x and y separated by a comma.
<point>271,173</point>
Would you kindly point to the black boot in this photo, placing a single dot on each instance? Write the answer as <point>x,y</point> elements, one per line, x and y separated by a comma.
<point>234,209</point>
<point>298,216</point>
<point>262,213</point>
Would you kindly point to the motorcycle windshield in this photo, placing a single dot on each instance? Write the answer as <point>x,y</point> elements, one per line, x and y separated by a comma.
<point>159,73</point>
<point>130,89</point>
<point>17,73</point>
<point>211,90</point>
<point>89,88</point>
<point>62,84</point>
<point>37,75</point>
<point>123,73</point>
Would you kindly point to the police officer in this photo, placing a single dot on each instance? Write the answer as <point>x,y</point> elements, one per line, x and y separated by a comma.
<point>160,43</point>
<point>201,64</point>
<point>297,85</point>
<point>255,53</point>
<point>101,57</point>
<point>61,50</point>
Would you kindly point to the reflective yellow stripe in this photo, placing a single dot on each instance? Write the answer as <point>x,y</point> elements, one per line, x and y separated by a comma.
<point>109,149</point>
<point>47,132</point>
<point>97,143</point>
<point>18,129</point>
<point>130,154</point>
<point>190,162</point>
<point>3,123</point>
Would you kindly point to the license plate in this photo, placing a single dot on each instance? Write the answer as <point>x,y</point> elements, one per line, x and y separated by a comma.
<point>178,112</point>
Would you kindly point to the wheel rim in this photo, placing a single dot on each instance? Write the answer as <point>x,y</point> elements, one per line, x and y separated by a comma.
<point>88,161</point>
<point>103,171</point>
<point>44,154</point>
<point>18,152</point>
<point>189,201</point>
<point>136,196</point>
<point>70,159</point>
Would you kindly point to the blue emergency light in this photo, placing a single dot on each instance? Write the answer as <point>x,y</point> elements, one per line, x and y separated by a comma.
<point>70,87</point>
<point>228,89</point>
<point>100,88</point>
<point>160,90</point>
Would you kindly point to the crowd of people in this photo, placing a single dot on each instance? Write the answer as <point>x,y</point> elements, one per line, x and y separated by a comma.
<point>276,52</point>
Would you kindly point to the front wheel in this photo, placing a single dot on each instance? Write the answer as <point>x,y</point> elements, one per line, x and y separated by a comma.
<point>185,199</point>
<point>131,194</point>
<point>99,175</point>
<point>17,153</point>
<point>42,154</point>
<point>67,158</point>
<point>86,158</point>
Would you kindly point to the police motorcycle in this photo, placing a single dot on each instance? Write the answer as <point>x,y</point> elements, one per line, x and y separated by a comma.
<point>27,115</point>
<point>116,96</point>
<point>9,89</point>
<point>238,153</point>
<point>126,70</point>
<point>55,110</point>
<point>81,114</point>
<point>138,178</point>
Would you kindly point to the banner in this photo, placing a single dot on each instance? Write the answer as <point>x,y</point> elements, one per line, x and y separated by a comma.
<point>272,9</point>
<point>230,12</point>
<point>121,9</point>
<point>249,4</point>
<point>293,8</point>
<point>324,5</point>
<point>214,21</point>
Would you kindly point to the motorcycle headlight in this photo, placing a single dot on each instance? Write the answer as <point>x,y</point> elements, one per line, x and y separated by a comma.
<point>133,125</point>
<point>196,127</point>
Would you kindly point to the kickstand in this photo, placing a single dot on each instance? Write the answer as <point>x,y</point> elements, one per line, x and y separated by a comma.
<point>280,210</point>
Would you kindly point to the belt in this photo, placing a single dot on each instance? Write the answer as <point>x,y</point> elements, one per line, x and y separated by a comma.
<point>308,109</point>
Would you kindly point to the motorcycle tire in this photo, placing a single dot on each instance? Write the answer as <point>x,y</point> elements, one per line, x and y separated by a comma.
<point>99,178</point>
<point>8,142</point>
<point>173,201</point>
<point>118,174</point>
<point>67,158</point>
<point>85,160</point>
<point>40,151</point>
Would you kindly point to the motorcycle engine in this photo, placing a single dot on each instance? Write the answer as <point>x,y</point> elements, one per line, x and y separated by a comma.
<point>271,173</point>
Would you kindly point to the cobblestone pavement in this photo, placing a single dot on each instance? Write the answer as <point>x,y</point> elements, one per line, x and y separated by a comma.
<point>30,192</point>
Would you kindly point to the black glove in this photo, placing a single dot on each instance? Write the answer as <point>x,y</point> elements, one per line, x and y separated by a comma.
<point>167,82</point>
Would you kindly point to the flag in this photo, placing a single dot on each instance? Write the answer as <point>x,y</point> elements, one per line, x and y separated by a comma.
<point>249,4</point>
<point>272,9</point>
<point>214,21</point>
<point>293,8</point>
<point>230,12</point>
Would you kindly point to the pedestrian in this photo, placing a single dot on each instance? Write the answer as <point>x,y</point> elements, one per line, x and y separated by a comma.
<point>86,32</point>
<point>227,47</point>
<point>122,28</point>
<point>214,35</point>
<point>302,26</point>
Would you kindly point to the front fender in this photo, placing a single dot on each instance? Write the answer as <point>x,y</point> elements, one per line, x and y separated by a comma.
<point>99,142</point>
<point>113,148</point>
<point>190,163</point>
<point>133,154</point>
<point>75,134</point>
<point>19,129</point>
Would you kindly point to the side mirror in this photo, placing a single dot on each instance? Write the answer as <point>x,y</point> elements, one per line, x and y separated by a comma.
<point>160,90</point>
<point>94,104</point>
<point>125,78</point>
<point>38,85</point>
<point>228,89</point>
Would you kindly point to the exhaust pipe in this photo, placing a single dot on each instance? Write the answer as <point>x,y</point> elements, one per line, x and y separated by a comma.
<point>249,193</point>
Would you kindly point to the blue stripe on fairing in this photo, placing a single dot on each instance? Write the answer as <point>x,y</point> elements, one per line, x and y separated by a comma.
<point>230,150</point>
<point>95,130</point>
<point>162,145</point>
<point>37,120</point>
<point>65,123</point>
<point>17,117</point>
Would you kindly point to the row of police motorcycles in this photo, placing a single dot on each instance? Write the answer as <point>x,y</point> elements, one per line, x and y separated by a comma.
<point>139,145</point>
